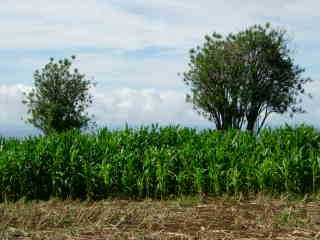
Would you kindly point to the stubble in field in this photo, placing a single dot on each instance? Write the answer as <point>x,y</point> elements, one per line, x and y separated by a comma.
<point>189,218</point>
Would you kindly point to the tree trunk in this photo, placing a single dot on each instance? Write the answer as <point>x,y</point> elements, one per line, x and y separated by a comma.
<point>251,125</point>
<point>251,119</point>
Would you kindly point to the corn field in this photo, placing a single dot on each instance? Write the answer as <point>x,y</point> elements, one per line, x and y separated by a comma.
<point>160,162</point>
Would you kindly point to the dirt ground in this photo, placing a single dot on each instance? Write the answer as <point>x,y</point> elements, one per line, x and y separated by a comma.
<point>185,218</point>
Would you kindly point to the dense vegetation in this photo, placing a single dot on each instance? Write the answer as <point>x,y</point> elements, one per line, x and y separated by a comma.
<point>239,80</point>
<point>160,162</point>
<point>59,99</point>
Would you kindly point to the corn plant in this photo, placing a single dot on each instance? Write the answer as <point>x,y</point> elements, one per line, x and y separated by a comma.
<point>159,162</point>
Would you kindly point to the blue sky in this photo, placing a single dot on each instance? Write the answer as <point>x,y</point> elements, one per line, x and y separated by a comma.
<point>134,49</point>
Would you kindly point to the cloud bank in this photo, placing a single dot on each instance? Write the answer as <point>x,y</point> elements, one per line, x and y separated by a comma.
<point>111,108</point>
<point>116,107</point>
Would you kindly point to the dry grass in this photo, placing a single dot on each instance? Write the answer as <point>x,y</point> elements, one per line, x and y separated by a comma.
<point>190,218</point>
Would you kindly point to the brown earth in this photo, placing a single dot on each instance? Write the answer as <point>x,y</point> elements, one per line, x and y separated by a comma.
<point>188,218</point>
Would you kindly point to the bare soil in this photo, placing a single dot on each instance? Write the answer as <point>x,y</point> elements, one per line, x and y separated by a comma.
<point>187,218</point>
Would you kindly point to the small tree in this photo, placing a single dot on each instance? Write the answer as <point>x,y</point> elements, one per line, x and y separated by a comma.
<point>60,96</point>
<point>244,77</point>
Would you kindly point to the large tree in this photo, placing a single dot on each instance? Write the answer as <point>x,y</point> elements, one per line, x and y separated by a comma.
<point>237,81</point>
<point>59,99</point>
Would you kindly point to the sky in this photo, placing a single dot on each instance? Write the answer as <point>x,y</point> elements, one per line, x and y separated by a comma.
<point>134,50</point>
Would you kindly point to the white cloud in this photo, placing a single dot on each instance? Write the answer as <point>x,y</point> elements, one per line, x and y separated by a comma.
<point>144,106</point>
<point>138,24</point>
<point>12,109</point>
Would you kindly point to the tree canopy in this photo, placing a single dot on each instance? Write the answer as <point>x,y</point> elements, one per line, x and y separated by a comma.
<point>237,81</point>
<point>59,99</point>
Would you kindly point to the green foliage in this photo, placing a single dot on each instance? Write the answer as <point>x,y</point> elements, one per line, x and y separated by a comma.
<point>58,101</point>
<point>237,81</point>
<point>160,162</point>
